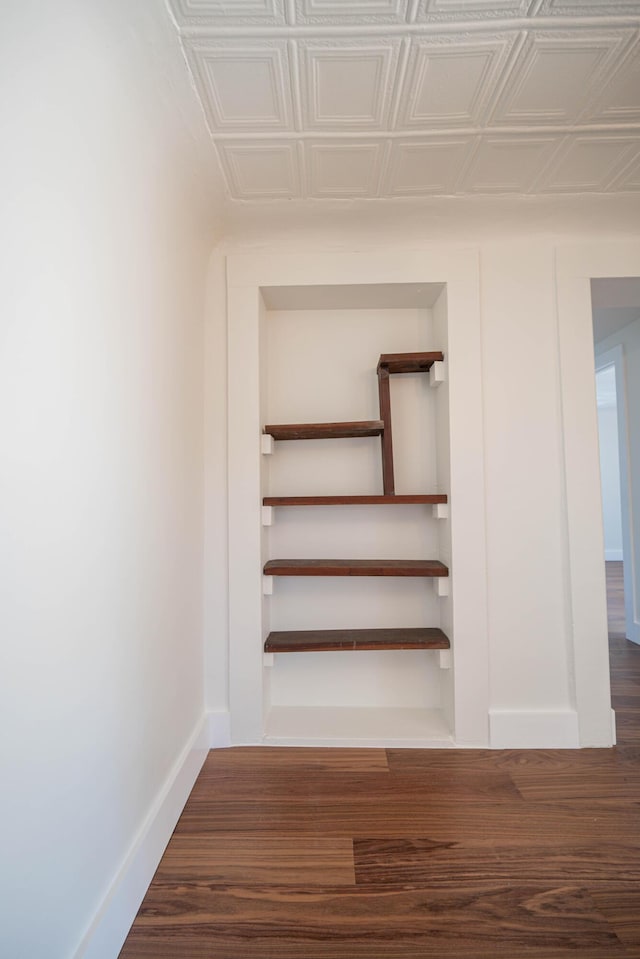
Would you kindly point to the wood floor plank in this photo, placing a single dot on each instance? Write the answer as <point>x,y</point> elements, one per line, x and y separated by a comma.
<point>621,668</point>
<point>186,946</point>
<point>344,788</point>
<point>620,905</point>
<point>615,596</point>
<point>628,725</point>
<point>479,919</point>
<point>627,702</point>
<point>422,862</point>
<point>604,782</point>
<point>296,759</point>
<point>514,823</point>
<point>279,860</point>
<point>422,761</point>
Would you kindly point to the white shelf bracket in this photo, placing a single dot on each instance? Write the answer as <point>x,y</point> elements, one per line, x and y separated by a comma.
<point>267,659</point>
<point>267,444</point>
<point>442,585</point>
<point>445,658</point>
<point>440,510</point>
<point>267,585</point>
<point>267,515</point>
<point>437,373</point>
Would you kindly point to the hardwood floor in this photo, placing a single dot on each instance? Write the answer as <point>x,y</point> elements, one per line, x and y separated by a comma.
<point>409,854</point>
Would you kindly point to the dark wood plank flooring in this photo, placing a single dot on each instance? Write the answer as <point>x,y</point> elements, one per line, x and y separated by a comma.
<point>409,854</point>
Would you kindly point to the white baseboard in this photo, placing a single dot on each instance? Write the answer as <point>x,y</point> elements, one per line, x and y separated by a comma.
<point>535,729</point>
<point>219,729</point>
<point>112,921</point>
<point>633,634</point>
<point>613,555</point>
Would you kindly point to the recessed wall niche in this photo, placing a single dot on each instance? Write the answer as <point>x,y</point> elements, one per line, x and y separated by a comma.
<point>320,347</point>
<point>307,346</point>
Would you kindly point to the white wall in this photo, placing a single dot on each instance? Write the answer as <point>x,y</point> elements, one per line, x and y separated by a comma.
<point>629,339</point>
<point>609,463</point>
<point>106,229</point>
<point>523,435</point>
<point>216,541</point>
<point>529,581</point>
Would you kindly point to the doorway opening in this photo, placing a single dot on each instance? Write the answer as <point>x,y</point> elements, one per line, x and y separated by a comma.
<point>616,333</point>
<point>606,397</point>
<point>616,329</point>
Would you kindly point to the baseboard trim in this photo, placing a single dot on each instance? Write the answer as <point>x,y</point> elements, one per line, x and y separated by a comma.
<point>219,725</point>
<point>613,555</point>
<point>112,921</point>
<point>534,729</point>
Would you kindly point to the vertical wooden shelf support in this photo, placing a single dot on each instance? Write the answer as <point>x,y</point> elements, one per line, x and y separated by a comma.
<point>388,483</point>
<point>392,363</point>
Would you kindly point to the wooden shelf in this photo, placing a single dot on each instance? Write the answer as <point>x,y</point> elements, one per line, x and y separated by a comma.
<point>325,431</point>
<point>355,567</point>
<point>408,362</point>
<point>323,640</point>
<point>409,499</point>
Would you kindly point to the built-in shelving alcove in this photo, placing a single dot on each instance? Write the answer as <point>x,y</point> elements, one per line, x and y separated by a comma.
<point>353,637</point>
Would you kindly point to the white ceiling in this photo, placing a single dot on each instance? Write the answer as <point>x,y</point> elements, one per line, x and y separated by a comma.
<point>418,98</point>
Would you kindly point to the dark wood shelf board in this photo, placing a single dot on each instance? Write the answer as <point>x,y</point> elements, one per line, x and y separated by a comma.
<point>355,567</point>
<point>324,431</point>
<point>325,640</point>
<point>386,440</point>
<point>408,362</point>
<point>405,499</point>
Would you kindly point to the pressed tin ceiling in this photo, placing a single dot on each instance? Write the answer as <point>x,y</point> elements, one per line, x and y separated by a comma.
<point>413,98</point>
